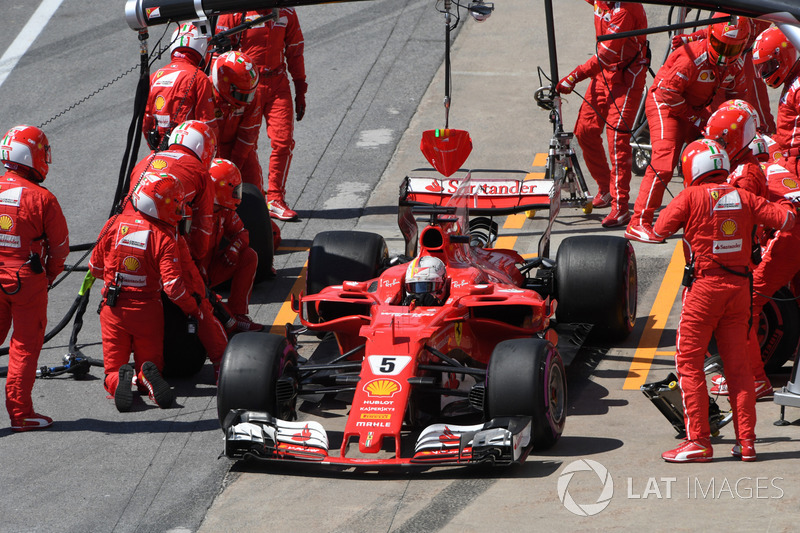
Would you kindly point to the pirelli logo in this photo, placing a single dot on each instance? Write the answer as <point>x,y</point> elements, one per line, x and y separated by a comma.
<point>375,416</point>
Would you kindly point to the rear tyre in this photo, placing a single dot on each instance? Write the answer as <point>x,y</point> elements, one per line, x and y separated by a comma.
<point>596,283</point>
<point>258,373</point>
<point>526,378</point>
<point>184,354</point>
<point>779,330</point>
<point>338,256</point>
<point>255,216</point>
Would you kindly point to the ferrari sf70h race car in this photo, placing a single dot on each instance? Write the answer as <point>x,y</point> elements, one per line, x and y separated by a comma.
<point>476,379</point>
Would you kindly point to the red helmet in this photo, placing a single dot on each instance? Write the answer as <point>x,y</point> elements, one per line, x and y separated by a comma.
<point>726,40</point>
<point>227,183</point>
<point>733,127</point>
<point>27,146</point>
<point>704,160</point>
<point>159,196</point>
<point>198,137</point>
<point>746,106</point>
<point>774,56</point>
<point>189,39</point>
<point>235,78</point>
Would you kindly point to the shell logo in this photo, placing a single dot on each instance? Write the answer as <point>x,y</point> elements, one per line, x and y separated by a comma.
<point>704,76</point>
<point>160,101</point>
<point>6,222</point>
<point>131,264</point>
<point>728,227</point>
<point>159,164</point>
<point>382,387</point>
<point>789,183</point>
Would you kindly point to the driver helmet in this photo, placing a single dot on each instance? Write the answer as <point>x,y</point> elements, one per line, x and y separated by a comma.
<point>726,40</point>
<point>774,57</point>
<point>425,276</point>
<point>704,161</point>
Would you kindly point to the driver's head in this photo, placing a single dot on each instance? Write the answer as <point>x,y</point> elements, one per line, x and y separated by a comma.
<point>426,280</point>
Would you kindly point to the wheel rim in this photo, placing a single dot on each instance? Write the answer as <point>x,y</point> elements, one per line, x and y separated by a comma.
<point>631,288</point>
<point>641,158</point>
<point>556,395</point>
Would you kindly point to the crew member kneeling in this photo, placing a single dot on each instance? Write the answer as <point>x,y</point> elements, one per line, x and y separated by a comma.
<point>136,257</point>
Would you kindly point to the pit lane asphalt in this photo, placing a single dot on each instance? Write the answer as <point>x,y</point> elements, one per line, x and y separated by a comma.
<point>154,470</point>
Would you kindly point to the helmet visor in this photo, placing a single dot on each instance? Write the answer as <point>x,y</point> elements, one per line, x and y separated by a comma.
<point>424,287</point>
<point>724,49</point>
<point>239,96</point>
<point>768,68</point>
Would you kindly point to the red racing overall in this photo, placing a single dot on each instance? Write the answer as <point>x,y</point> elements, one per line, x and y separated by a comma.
<point>718,220</point>
<point>676,110</point>
<point>141,254</point>
<point>274,46</point>
<point>31,221</point>
<point>238,138</point>
<point>618,73</point>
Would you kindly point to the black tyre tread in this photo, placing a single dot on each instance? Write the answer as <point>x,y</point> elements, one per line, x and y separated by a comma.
<point>250,368</point>
<point>255,216</point>
<point>184,354</point>
<point>596,283</point>
<point>338,256</point>
<point>782,316</point>
<point>517,386</point>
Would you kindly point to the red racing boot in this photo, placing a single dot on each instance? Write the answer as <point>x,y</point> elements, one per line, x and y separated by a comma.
<point>745,450</point>
<point>691,451</point>
<point>31,423</point>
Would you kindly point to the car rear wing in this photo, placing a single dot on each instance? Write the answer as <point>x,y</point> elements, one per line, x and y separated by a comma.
<point>495,192</point>
<point>492,193</point>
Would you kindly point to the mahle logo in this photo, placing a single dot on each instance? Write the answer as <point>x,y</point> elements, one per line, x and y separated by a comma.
<point>588,509</point>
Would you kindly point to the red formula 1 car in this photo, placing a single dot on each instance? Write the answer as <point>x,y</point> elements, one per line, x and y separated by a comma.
<point>474,378</point>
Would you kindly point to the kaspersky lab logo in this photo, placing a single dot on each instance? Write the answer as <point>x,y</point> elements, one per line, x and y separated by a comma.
<point>605,487</point>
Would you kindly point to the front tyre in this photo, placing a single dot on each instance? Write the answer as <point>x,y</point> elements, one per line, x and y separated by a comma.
<point>526,378</point>
<point>258,373</point>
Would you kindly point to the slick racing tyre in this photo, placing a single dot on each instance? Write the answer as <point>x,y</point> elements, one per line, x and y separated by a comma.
<point>184,354</point>
<point>258,373</point>
<point>526,378</point>
<point>596,283</point>
<point>338,256</point>
<point>255,216</point>
<point>779,330</point>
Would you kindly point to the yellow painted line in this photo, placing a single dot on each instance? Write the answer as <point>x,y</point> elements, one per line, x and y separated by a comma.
<point>656,322</point>
<point>292,249</point>
<point>285,313</point>
<point>515,221</point>
<point>540,160</point>
<point>669,353</point>
<point>534,176</point>
<point>505,242</point>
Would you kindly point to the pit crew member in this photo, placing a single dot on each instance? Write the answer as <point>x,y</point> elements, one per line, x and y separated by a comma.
<point>618,71</point>
<point>230,256</point>
<point>676,108</point>
<point>776,61</point>
<point>34,243</point>
<point>717,220</point>
<point>136,256</point>
<point>275,46</point>
<point>192,146</point>
<point>181,90</point>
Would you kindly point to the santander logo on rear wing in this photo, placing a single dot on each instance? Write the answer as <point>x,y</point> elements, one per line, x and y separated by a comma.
<point>494,195</point>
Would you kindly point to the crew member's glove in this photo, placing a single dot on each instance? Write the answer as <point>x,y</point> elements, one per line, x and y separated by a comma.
<point>567,84</point>
<point>231,255</point>
<point>683,38</point>
<point>300,88</point>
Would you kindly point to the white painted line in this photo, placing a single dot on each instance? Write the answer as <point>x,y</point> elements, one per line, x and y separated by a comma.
<point>26,37</point>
